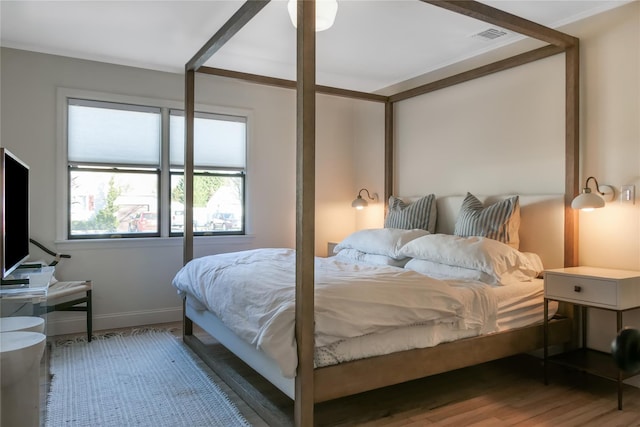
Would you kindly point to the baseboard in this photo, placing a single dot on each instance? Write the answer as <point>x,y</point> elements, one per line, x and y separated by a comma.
<point>62,323</point>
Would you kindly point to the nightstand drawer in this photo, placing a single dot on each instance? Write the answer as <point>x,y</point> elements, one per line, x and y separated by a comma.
<point>582,290</point>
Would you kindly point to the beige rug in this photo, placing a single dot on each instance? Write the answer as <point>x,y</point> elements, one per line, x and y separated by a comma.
<point>145,378</point>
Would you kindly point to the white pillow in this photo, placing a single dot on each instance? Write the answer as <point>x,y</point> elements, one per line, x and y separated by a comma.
<point>504,264</point>
<point>444,271</point>
<point>380,241</point>
<point>374,259</point>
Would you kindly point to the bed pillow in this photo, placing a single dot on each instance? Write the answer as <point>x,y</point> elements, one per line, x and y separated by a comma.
<point>380,241</point>
<point>499,221</point>
<point>501,263</point>
<point>418,214</point>
<point>374,259</point>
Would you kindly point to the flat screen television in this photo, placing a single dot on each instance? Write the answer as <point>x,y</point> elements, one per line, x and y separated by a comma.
<point>14,188</point>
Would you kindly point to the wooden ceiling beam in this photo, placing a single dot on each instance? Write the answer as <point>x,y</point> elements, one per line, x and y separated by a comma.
<point>483,12</point>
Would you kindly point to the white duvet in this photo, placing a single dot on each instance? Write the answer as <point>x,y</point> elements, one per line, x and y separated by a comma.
<point>252,292</point>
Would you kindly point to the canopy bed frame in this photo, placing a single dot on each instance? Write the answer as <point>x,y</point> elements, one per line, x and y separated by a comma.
<point>316,385</point>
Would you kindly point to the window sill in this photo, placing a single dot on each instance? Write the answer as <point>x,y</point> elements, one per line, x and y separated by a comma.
<point>152,242</point>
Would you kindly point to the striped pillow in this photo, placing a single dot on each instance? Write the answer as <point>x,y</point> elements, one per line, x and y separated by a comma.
<point>420,214</point>
<point>499,221</point>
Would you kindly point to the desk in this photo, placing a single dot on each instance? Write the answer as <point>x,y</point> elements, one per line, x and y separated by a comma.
<point>44,296</point>
<point>34,293</point>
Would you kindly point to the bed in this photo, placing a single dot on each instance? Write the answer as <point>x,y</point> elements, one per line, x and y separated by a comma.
<point>424,291</point>
<point>310,384</point>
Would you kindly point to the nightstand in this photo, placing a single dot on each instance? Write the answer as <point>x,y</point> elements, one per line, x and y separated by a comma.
<point>330,247</point>
<point>614,290</point>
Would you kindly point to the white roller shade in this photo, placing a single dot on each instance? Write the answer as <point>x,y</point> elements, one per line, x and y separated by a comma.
<point>219,141</point>
<point>104,132</point>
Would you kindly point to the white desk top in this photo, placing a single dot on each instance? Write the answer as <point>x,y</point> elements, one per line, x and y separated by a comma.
<point>39,280</point>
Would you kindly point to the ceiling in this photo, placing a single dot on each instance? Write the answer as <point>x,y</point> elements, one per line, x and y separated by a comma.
<point>373,45</point>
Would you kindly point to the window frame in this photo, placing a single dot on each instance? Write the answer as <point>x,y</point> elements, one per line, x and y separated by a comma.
<point>165,171</point>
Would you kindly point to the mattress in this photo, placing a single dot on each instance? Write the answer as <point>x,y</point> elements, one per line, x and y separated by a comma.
<point>518,306</point>
<point>402,317</point>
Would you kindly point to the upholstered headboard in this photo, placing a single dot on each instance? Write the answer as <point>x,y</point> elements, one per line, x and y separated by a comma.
<point>541,222</point>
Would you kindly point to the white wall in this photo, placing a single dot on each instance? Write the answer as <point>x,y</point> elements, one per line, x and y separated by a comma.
<point>131,277</point>
<point>368,163</point>
<point>501,134</point>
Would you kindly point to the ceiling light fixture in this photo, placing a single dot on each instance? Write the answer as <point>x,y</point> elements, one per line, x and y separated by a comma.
<point>325,13</point>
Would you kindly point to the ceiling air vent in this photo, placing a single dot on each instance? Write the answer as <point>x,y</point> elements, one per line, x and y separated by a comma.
<point>490,34</point>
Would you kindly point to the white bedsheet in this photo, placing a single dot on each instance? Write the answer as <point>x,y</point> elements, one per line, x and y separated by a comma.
<point>517,306</point>
<point>252,292</point>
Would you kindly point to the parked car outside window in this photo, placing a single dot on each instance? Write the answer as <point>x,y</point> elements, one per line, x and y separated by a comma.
<point>225,221</point>
<point>144,222</point>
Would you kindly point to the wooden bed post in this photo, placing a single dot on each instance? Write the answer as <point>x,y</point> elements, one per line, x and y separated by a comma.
<point>389,122</point>
<point>305,212</point>
<point>239,19</point>
<point>572,158</point>
<point>189,115</point>
<point>187,247</point>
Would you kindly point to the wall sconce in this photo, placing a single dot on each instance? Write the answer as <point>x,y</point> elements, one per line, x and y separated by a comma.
<point>360,203</point>
<point>587,201</point>
<point>326,11</point>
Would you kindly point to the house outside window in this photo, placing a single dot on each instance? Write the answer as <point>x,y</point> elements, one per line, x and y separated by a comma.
<point>120,184</point>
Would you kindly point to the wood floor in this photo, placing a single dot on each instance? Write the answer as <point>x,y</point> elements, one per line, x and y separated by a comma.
<point>507,392</point>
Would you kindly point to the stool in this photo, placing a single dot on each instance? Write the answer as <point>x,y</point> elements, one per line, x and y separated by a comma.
<point>20,355</point>
<point>22,323</point>
<point>65,289</point>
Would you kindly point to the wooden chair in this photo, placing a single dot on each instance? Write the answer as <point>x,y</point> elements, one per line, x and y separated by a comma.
<point>67,292</point>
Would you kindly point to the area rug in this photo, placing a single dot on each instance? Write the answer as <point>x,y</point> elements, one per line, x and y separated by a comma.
<point>143,378</point>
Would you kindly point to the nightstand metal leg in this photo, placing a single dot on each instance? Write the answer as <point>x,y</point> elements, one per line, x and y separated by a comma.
<point>583,324</point>
<point>619,325</point>
<point>545,341</point>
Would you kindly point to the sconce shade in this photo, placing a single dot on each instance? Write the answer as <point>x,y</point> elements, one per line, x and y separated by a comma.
<point>360,203</point>
<point>588,201</point>
<point>326,11</point>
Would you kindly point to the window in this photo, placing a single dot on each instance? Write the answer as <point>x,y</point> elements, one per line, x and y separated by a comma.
<point>219,165</point>
<point>116,178</point>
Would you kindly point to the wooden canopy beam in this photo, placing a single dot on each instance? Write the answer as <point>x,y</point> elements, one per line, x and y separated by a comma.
<point>239,19</point>
<point>485,70</point>
<point>291,84</point>
<point>486,13</point>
